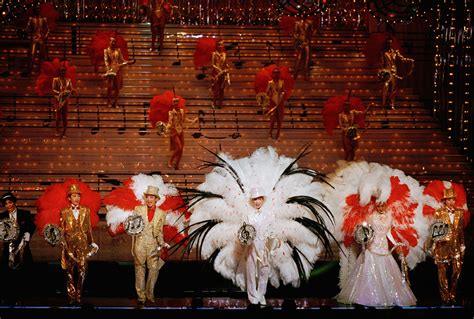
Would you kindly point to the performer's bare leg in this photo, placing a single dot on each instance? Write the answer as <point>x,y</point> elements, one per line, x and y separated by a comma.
<point>178,151</point>
<point>306,63</point>
<point>109,90</point>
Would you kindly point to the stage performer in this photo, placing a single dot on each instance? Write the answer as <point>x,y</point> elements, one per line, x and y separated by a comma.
<point>277,95</point>
<point>39,31</point>
<point>175,127</point>
<point>114,62</point>
<point>304,29</point>
<point>220,75</point>
<point>146,247</point>
<point>16,257</point>
<point>389,73</point>
<point>349,135</point>
<point>257,260</point>
<point>160,11</point>
<point>62,90</point>
<point>448,252</point>
<point>252,227</point>
<point>376,279</point>
<point>78,244</point>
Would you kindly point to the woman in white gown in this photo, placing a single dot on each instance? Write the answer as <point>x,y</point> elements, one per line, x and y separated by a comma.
<point>376,279</point>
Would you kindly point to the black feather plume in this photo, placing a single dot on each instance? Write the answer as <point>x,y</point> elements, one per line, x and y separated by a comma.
<point>194,238</point>
<point>225,165</point>
<point>296,255</point>
<point>312,203</point>
<point>321,231</point>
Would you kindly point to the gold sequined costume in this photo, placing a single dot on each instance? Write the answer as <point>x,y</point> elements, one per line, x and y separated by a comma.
<point>219,77</point>
<point>76,246</point>
<point>449,251</point>
<point>302,38</point>
<point>38,28</point>
<point>176,119</point>
<point>62,89</point>
<point>276,92</point>
<point>389,63</point>
<point>146,252</point>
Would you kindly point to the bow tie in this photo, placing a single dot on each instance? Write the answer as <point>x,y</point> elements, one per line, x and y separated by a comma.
<point>75,207</point>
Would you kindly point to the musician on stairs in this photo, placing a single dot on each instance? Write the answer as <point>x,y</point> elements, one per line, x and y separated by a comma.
<point>62,90</point>
<point>114,62</point>
<point>220,75</point>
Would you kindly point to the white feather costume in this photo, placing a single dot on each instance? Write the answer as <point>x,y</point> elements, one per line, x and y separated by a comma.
<point>294,215</point>
<point>367,183</point>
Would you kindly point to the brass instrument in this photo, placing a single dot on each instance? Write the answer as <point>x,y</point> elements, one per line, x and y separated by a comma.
<point>161,128</point>
<point>114,69</point>
<point>263,100</point>
<point>62,98</point>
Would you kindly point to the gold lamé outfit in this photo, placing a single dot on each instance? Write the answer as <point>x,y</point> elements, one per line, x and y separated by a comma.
<point>114,62</point>
<point>76,247</point>
<point>220,69</point>
<point>62,88</point>
<point>146,250</point>
<point>302,41</point>
<point>176,118</point>
<point>220,76</point>
<point>38,27</point>
<point>389,63</point>
<point>449,251</point>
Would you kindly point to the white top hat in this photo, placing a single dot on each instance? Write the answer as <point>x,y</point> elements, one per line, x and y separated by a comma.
<point>256,192</point>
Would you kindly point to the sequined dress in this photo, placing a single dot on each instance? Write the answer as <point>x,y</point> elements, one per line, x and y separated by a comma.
<point>376,279</point>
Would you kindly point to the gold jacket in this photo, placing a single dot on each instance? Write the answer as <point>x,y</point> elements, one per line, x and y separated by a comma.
<point>153,232</point>
<point>77,236</point>
<point>452,246</point>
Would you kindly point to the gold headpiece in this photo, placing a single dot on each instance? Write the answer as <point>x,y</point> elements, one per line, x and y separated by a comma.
<point>74,189</point>
<point>449,193</point>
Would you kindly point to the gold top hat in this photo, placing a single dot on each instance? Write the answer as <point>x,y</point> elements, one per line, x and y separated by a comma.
<point>152,190</point>
<point>74,189</point>
<point>449,193</point>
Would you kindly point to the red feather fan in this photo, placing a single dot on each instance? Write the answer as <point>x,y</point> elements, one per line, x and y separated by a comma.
<point>100,42</point>
<point>436,188</point>
<point>403,214</point>
<point>46,10</point>
<point>54,199</point>
<point>399,204</point>
<point>354,215</point>
<point>335,105</point>
<point>124,198</point>
<point>203,52</point>
<point>160,105</point>
<point>265,75</point>
<point>50,70</point>
<point>374,46</point>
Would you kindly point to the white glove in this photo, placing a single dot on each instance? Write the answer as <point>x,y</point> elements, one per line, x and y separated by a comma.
<point>95,247</point>
<point>166,245</point>
<point>26,236</point>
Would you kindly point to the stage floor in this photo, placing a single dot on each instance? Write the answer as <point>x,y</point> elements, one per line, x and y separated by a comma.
<point>219,307</point>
